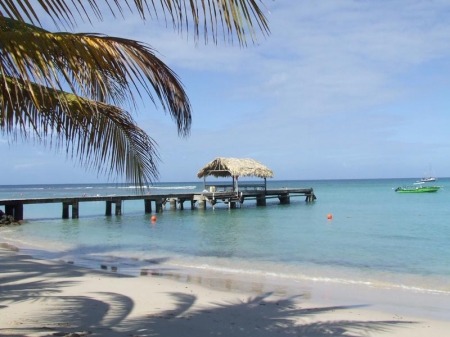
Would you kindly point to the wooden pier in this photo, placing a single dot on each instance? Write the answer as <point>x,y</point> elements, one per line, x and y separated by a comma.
<point>216,194</point>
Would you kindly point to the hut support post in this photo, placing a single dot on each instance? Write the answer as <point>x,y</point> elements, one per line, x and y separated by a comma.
<point>108,207</point>
<point>147,206</point>
<point>193,203</point>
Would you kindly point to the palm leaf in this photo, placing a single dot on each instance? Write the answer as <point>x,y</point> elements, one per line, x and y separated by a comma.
<point>236,17</point>
<point>102,68</point>
<point>93,132</point>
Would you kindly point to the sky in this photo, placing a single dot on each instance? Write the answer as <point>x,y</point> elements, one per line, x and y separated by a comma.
<point>340,89</point>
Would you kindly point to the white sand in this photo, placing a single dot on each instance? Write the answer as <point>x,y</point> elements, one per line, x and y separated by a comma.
<point>45,298</point>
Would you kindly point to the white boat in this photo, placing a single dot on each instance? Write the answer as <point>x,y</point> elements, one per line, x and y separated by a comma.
<point>427,179</point>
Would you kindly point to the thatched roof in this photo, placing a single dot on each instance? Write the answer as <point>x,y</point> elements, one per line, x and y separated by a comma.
<point>228,167</point>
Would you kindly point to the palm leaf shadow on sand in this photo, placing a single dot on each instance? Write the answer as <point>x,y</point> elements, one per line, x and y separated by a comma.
<point>256,316</point>
<point>109,314</point>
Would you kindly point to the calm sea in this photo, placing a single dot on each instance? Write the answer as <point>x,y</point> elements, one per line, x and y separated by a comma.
<point>376,236</point>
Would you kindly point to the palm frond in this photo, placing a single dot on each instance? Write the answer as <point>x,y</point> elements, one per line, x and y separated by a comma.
<point>102,68</point>
<point>102,137</point>
<point>236,17</point>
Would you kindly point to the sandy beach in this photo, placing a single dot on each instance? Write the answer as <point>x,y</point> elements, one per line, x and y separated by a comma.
<point>49,298</point>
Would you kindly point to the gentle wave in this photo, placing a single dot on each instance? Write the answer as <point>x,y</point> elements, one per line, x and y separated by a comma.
<point>78,188</point>
<point>173,187</point>
<point>159,187</point>
<point>99,187</point>
<point>24,189</point>
<point>304,277</point>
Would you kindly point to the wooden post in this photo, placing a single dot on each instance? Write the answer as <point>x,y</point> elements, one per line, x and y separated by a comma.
<point>108,207</point>
<point>75,209</point>
<point>65,210</point>
<point>15,211</point>
<point>232,205</point>
<point>202,204</point>
<point>310,197</point>
<point>9,210</point>
<point>261,200</point>
<point>159,205</point>
<point>284,199</point>
<point>181,203</point>
<point>18,213</point>
<point>148,206</point>
<point>173,204</point>
<point>193,203</point>
<point>118,207</point>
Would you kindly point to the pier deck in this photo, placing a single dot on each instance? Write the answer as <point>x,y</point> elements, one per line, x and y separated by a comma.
<point>14,207</point>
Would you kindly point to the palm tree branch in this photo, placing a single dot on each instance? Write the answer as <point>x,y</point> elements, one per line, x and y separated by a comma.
<point>102,68</point>
<point>94,132</point>
<point>235,15</point>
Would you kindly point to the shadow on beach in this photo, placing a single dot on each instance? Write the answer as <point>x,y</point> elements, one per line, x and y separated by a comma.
<point>24,280</point>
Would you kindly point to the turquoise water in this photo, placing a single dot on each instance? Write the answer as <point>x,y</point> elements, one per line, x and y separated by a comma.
<point>376,237</point>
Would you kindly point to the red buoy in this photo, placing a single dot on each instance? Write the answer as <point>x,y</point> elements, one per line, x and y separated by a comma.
<point>154,218</point>
<point>330,216</point>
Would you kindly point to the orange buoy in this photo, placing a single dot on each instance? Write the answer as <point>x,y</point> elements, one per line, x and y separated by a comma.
<point>330,216</point>
<point>154,218</point>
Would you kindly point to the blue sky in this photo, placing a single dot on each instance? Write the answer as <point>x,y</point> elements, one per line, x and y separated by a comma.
<point>339,90</point>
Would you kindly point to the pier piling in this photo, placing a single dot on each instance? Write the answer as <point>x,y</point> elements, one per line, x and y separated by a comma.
<point>261,200</point>
<point>148,206</point>
<point>108,208</point>
<point>75,209</point>
<point>159,205</point>
<point>15,210</point>
<point>202,204</point>
<point>118,203</point>
<point>284,199</point>
<point>173,204</point>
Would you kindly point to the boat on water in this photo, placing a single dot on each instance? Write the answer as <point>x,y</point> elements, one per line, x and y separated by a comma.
<point>418,188</point>
<point>427,179</point>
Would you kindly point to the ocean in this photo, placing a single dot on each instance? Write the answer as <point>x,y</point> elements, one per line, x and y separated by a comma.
<point>376,237</point>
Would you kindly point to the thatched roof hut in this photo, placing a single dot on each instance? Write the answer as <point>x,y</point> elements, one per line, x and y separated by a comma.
<point>231,167</point>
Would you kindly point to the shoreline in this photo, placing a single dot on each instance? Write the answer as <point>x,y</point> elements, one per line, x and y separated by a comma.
<point>44,298</point>
<point>132,265</point>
